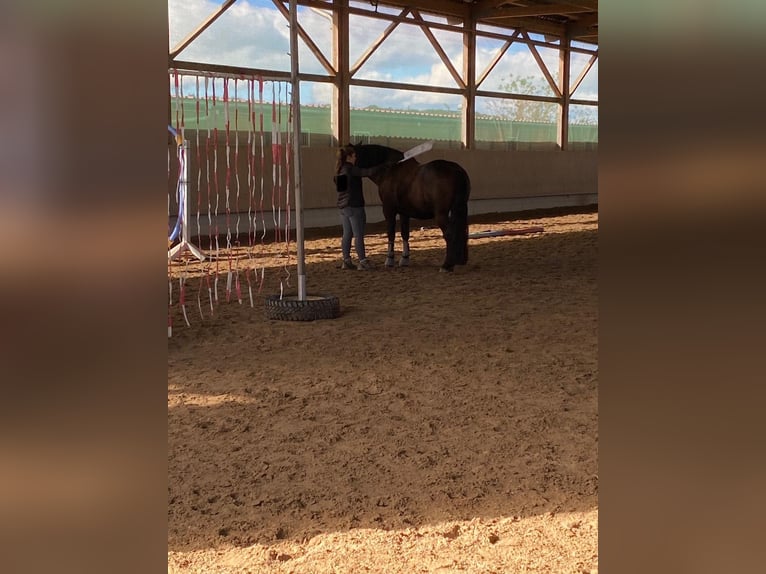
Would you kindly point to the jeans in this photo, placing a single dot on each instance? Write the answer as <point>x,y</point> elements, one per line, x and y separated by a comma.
<point>353,220</point>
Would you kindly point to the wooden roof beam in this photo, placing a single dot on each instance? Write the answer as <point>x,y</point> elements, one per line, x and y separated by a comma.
<point>533,25</point>
<point>460,10</point>
<point>181,46</point>
<point>393,18</point>
<point>543,67</point>
<point>439,50</point>
<point>591,5</point>
<point>307,39</point>
<point>374,46</point>
<point>502,10</point>
<point>496,59</point>
<point>587,25</point>
<point>586,69</point>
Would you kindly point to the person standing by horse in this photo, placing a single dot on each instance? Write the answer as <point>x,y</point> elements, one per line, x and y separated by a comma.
<point>348,182</point>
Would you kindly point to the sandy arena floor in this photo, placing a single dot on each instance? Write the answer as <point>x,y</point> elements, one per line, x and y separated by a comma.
<point>443,423</point>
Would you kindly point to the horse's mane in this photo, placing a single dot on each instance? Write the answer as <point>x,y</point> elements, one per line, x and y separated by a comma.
<point>368,155</point>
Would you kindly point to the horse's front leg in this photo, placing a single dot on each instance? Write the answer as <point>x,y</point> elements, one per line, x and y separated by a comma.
<point>391,230</point>
<point>404,222</point>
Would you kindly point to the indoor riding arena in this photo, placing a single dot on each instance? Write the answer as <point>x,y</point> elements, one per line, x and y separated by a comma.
<point>403,419</point>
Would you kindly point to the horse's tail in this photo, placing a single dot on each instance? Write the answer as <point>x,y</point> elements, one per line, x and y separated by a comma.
<point>458,218</point>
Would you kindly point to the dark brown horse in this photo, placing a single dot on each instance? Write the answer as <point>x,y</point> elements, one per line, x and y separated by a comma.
<point>436,190</point>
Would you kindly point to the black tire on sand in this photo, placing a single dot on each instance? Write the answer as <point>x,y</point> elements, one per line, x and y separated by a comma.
<point>313,307</point>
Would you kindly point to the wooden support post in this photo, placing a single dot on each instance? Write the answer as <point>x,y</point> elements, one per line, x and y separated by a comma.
<point>341,125</point>
<point>565,61</point>
<point>468,118</point>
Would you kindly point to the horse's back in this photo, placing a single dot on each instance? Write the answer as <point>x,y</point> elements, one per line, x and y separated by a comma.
<point>446,171</point>
<point>442,181</point>
<point>419,190</point>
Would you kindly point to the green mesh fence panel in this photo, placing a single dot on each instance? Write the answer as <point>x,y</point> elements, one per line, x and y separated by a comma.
<point>378,123</point>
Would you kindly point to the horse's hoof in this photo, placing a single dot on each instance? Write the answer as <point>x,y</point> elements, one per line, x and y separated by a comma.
<point>404,262</point>
<point>389,261</point>
<point>446,269</point>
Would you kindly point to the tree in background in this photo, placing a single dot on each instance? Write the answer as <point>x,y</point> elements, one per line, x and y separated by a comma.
<point>584,115</point>
<point>524,110</point>
<point>530,111</point>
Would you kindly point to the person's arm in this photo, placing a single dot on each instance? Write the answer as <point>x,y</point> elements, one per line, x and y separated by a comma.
<point>362,171</point>
<point>368,171</point>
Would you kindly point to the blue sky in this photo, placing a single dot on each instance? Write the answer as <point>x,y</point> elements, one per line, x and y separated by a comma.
<point>252,33</point>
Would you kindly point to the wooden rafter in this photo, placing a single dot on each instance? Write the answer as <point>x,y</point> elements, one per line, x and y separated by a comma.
<point>496,59</point>
<point>583,27</point>
<point>392,18</point>
<point>543,67</point>
<point>439,50</point>
<point>587,20</point>
<point>407,87</point>
<point>374,46</point>
<point>510,96</point>
<point>243,72</point>
<point>461,10</point>
<point>591,5</point>
<point>585,70</point>
<point>583,102</point>
<point>307,39</point>
<point>181,46</point>
<point>540,16</point>
<point>503,10</point>
<point>536,26</point>
<point>547,44</point>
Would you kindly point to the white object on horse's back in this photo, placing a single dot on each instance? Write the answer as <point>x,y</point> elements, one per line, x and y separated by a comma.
<point>417,150</point>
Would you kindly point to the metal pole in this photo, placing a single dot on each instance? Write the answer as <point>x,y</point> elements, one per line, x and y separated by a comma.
<point>296,102</point>
<point>183,187</point>
<point>183,151</point>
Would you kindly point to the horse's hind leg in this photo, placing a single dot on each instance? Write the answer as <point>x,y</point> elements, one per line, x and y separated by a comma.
<point>404,222</point>
<point>391,230</point>
<point>449,261</point>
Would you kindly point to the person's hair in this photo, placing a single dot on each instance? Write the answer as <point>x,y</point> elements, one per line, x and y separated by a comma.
<point>343,153</point>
